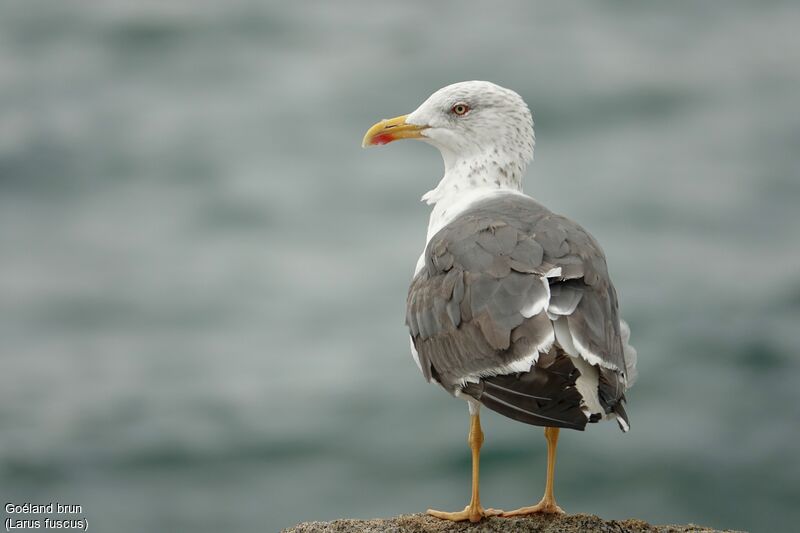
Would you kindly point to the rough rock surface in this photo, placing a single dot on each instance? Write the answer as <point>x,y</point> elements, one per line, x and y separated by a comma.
<point>419,523</point>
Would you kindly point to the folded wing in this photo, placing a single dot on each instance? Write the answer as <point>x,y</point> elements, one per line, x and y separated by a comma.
<point>515,308</point>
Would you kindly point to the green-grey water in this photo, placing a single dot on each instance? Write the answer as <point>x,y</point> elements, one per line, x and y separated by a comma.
<point>203,275</point>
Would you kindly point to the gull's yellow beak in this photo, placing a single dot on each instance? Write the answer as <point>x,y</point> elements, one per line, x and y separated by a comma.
<point>390,130</point>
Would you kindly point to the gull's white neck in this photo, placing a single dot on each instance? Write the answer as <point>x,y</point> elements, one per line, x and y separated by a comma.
<point>467,180</point>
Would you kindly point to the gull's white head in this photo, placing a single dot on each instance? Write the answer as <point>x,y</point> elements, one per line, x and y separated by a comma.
<point>484,132</point>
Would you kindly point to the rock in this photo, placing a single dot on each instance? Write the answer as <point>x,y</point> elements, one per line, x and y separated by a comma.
<point>419,523</point>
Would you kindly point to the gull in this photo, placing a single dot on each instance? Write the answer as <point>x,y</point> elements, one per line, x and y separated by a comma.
<point>511,306</point>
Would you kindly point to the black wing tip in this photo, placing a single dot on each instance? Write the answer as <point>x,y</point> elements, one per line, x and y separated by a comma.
<point>531,418</point>
<point>622,416</point>
<point>544,396</point>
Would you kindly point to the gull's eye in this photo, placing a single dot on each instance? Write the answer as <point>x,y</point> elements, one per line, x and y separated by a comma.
<point>460,109</point>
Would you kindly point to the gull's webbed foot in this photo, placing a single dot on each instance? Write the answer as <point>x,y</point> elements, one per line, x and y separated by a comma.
<point>473,513</point>
<point>544,507</point>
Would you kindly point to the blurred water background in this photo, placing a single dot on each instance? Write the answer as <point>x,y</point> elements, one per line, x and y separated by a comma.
<point>203,275</point>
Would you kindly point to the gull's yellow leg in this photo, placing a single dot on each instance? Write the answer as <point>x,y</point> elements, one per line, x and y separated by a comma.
<point>548,503</point>
<point>472,512</point>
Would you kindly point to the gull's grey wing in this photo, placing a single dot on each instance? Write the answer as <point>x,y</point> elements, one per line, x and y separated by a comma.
<point>504,284</point>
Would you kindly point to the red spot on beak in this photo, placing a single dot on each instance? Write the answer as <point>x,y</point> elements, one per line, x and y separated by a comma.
<point>382,138</point>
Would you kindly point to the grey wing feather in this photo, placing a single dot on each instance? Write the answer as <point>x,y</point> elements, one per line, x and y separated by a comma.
<point>564,297</point>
